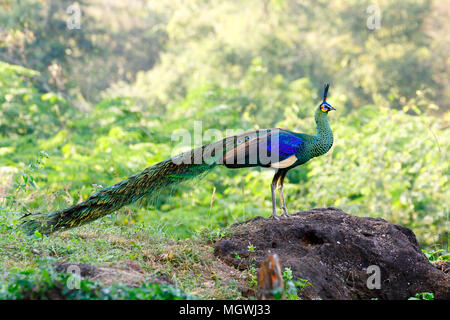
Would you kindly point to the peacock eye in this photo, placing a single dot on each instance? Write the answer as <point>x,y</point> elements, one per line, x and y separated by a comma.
<point>322,107</point>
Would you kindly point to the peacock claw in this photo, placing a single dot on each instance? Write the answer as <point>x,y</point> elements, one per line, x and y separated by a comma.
<point>285,213</point>
<point>275,216</point>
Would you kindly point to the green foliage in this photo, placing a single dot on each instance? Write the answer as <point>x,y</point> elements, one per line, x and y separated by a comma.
<point>84,60</point>
<point>396,167</point>
<point>81,109</point>
<point>292,287</point>
<point>317,40</point>
<point>24,110</point>
<point>436,255</point>
<point>45,283</point>
<point>423,296</point>
<point>107,244</point>
<point>253,279</point>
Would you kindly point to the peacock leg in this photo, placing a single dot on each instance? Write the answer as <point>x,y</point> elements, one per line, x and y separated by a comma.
<point>283,201</point>
<point>273,186</point>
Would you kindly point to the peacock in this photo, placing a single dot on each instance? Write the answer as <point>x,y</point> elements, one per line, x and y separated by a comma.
<point>275,148</point>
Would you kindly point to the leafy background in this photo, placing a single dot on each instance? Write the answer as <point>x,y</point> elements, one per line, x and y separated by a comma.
<point>85,108</point>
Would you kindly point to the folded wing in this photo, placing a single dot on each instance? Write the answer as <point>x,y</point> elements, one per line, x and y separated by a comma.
<point>267,148</point>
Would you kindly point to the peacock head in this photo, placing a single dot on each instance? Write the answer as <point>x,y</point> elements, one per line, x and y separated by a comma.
<point>325,106</point>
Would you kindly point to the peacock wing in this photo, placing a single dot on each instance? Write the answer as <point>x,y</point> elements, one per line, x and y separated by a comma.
<point>266,147</point>
<point>284,147</point>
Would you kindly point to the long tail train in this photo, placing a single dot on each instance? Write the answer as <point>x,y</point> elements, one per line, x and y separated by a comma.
<point>146,183</point>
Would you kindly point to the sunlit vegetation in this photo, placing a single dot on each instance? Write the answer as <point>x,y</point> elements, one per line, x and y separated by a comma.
<point>81,109</point>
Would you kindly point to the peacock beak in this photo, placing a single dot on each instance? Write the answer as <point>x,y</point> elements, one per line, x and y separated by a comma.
<point>331,108</point>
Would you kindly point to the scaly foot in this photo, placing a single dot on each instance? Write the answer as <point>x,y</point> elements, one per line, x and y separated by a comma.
<point>285,212</point>
<point>275,216</point>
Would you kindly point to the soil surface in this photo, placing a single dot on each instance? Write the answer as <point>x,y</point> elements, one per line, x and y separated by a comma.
<point>334,251</point>
<point>129,272</point>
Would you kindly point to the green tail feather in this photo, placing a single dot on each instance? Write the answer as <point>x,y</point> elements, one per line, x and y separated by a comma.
<point>148,183</point>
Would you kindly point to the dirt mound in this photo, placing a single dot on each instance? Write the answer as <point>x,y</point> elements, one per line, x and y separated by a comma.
<point>339,254</point>
<point>129,272</point>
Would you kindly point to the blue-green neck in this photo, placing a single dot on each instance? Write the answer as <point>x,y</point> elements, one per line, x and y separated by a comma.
<point>323,140</point>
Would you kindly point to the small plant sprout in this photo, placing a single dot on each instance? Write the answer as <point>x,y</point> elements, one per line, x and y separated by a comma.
<point>423,296</point>
<point>293,287</point>
<point>253,278</point>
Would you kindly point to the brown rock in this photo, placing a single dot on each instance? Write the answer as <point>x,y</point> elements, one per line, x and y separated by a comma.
<point>333,250</point>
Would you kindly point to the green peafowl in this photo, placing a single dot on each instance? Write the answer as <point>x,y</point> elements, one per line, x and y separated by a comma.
<point>271,148</point>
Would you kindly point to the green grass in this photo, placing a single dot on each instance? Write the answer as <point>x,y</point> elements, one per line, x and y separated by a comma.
<point>44,283</point>
<point>26,261</point>
<point>110,111</point>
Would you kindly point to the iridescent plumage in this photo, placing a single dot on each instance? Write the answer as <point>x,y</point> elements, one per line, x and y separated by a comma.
<point>277,148</point>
